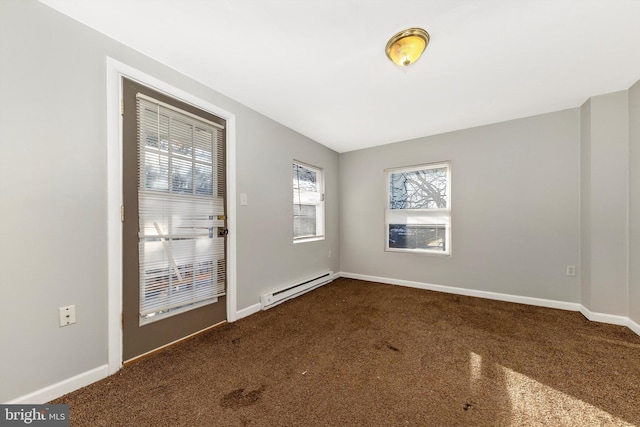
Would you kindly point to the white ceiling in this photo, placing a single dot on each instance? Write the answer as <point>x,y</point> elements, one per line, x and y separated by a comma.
<point>319,67</point>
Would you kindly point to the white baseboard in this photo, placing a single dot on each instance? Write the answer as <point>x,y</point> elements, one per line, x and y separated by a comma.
<point>633,326</point>
<point>594,317</point>
<point>469,292</point>
<point>603,317</point>
<point>248,311</point>
<point>63,387</point>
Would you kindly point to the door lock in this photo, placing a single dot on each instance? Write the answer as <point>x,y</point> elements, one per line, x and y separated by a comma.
<point>222,231</point>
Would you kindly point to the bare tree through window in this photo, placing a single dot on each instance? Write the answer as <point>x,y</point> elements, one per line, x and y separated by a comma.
<point>418,216</point>
<point>419,189</point>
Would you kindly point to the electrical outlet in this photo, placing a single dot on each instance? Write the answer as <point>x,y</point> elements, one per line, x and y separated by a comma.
<point>571,270</point>
<point>67,315</point>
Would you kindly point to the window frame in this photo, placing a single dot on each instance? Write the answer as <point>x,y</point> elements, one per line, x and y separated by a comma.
<point>441,215</point>
<point>319,204</point>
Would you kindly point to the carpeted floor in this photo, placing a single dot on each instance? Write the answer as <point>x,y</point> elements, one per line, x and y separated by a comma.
<point>354,353</point>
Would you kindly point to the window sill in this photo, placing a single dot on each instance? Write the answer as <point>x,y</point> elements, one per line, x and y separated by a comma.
<point>419,252</point>
<point>308,239</point>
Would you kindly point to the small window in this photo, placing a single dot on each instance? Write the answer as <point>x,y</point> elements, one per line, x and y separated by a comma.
<point>418,212</point>
<point>308,203</point>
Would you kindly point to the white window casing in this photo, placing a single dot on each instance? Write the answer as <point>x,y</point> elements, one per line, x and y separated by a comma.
<point>418,209</point>
<point>308,203</point>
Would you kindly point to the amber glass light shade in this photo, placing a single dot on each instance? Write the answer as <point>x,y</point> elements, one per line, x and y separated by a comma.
<point>406,47</point>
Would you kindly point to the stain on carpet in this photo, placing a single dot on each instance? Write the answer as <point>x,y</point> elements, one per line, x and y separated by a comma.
<point>238,398</point>
<point>385,345</point>
<point>391,347</point>
<point>160,388</point>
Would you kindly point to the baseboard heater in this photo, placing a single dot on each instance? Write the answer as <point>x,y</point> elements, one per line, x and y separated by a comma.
<point>275,298</point>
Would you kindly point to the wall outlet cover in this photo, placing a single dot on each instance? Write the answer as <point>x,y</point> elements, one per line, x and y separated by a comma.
<point>67,315</point>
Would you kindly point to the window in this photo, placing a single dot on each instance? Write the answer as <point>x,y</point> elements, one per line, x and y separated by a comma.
<point>308,203</point>
<point>418,211</point>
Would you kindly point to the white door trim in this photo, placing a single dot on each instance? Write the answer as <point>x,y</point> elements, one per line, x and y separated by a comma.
<point>115,71</point>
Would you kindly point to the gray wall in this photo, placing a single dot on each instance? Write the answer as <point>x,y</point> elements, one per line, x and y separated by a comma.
<point>585,204</point>
<point>53,193</point>
<point>605,191</point>
<point>267,258</point>
<point>515,208</point>
<point>634,203</point>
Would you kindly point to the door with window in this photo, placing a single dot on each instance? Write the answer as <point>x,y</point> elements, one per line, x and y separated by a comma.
<point>174,220</point>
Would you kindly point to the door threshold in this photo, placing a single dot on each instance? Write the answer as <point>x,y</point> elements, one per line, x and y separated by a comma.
<point>171,344</point>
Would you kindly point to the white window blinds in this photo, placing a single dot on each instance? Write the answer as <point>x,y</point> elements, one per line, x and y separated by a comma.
<point>181,206</point>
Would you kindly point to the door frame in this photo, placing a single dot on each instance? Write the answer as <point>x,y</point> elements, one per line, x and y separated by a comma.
<point>115,71</point>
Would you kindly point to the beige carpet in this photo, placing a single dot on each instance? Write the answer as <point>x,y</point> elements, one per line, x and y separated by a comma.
<point>354,353</point>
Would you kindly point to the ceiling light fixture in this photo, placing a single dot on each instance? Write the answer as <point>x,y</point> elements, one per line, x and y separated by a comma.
<point>406,47</point>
